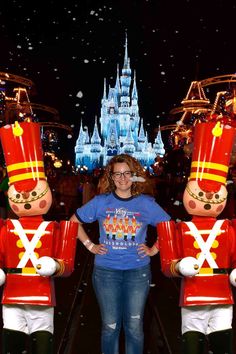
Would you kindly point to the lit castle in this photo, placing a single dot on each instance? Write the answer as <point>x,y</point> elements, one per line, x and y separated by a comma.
<point>122,130</point>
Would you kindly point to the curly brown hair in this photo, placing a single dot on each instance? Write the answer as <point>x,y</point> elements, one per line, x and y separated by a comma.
<point>106,182</point>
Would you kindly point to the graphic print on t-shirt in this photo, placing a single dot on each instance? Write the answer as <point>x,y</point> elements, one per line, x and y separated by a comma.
<point>121,227</point>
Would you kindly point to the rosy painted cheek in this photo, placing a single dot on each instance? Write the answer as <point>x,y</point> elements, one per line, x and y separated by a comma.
<point>15,208</point>
<point>192,204</point>
<point>42,204</point>
<point>220,208</point>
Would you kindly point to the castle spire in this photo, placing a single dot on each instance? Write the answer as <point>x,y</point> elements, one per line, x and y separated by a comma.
<point>81,133</point>
<point>117,86</point>
<point>129,137</point>
<point>129,147</point>
<point>126,66</point>
<point>95,139</point>
<point>86,135</point>
<point>79,147</point>
<point>126,58</point>
<point>125,78</point>
<point>134,90</point>
<point>105,90</point>
<point>141,136</point>
<point>158,145</point>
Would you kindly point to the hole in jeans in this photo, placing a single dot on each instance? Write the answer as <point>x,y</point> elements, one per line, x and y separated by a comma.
<point>136,317</point>
<point>112,325</point>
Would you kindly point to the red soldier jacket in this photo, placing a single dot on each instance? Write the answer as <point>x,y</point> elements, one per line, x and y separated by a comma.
<point>213,243</point>
<point>22,242</point>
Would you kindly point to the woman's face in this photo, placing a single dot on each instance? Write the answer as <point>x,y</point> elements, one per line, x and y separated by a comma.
<point>121,177</point>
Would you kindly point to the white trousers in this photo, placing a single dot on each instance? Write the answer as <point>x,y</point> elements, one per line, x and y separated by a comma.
<point>206,319</point>
<point>28,318</point>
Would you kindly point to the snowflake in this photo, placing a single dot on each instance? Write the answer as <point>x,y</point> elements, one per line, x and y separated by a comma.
<point>79,94</point>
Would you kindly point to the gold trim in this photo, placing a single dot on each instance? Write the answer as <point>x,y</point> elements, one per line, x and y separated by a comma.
<point>213,165</point>
<point>206,271</point>
<point>209,176</point>
<point>173,269</point>
<point>29,175</point>
<point>28,270</point>
<point>204,200</point>
<point>61,269</point>
<point>32,199</point>
<point>25,164</point>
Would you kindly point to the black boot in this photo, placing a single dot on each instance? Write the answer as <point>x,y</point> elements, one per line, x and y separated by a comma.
<point>221,342</point>
<point>14,342</point>
<point>193,342</point>
<point>41,342</point>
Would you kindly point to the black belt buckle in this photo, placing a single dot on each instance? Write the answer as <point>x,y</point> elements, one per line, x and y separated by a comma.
<point>221,271</point>
<point>13,270</point>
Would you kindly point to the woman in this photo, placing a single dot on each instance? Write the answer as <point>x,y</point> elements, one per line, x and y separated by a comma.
<point>121,274</point>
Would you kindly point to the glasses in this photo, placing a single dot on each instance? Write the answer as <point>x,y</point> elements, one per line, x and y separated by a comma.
<point>118,175</point>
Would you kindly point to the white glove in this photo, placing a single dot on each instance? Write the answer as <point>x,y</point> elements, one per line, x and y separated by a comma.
<point>2,277</point>
<point>188,266</point>
<point>232,277</point>
<point>46,266</point>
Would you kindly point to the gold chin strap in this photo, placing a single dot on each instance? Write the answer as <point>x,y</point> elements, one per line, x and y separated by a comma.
<point>204,200</point>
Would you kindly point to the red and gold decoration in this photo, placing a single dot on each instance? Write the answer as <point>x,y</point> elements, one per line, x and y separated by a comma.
<point>32,250</point>
<point>213,143</point>
<point>23,154</point>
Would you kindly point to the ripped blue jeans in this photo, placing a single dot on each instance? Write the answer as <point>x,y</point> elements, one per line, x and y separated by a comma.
<point>122,296</point>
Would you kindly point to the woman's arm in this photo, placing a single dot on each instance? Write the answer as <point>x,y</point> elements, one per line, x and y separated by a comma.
<point>84,238</point>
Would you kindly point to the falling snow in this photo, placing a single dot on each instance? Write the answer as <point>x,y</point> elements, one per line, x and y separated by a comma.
<point>79,94</point>
<point>66,48</point>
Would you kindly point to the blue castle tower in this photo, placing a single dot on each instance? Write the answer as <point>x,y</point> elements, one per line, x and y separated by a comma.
<point>121,129</point>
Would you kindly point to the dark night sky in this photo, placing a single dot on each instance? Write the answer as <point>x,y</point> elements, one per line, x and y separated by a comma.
<point>67,47</point>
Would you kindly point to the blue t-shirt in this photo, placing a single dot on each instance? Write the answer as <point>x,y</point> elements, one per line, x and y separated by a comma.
<point>122,227</point>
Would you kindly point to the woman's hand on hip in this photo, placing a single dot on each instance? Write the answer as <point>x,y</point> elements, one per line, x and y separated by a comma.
<point>144,250</point>
<point>99,249</point>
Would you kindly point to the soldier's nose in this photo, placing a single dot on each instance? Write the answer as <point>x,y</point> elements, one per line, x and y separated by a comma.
<point>209,195</point>
<point>25,195</point>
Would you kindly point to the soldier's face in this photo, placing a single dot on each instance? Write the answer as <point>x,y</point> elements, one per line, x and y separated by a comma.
<point>29,203</point>
<point>202,203</point>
